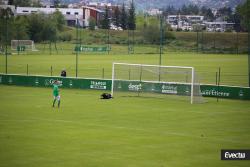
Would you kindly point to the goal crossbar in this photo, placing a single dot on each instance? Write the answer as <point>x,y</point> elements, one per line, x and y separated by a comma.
<point>150,65</point>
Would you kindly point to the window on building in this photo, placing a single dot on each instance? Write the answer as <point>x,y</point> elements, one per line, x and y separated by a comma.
<point>76,13</point>
<point>68,13</point>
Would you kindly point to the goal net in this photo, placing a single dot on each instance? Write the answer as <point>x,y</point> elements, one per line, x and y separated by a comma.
<point>155,81</point>
<point>22,45</point>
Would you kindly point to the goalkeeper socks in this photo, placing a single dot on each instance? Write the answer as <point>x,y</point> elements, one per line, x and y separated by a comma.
<point>54,102</point>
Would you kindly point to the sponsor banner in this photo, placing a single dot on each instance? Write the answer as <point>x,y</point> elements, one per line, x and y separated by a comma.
<point>43,81</point>
<point>164,88</point>
<point>230,92</point>
<point>91,48</point>
<point>97,84</point>
<point>235,154</point>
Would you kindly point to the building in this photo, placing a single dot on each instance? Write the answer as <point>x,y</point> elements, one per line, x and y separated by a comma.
<point>184,22</point>
<point>154,12</point>
<point>190,19</point>
<point>219,26</point>
<point>71,15</point>
<point>89,12</point>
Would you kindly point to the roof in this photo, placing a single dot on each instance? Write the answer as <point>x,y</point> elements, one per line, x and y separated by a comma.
<point>92,8</point>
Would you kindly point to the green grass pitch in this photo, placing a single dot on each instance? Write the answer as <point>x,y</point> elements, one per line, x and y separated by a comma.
<point>122,132</point>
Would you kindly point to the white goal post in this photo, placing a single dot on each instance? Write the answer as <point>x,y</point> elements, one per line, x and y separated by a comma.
<point>23,45</point>
<point>154,80</point>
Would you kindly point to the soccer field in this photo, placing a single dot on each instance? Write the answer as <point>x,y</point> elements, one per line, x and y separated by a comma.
<point>121,132</point>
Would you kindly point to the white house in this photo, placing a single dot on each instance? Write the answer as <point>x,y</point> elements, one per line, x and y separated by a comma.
<point>71,15</point>
<point>218,26</point>
<point>186,18</point>
<point>154,12</point>
<point>184,22</point>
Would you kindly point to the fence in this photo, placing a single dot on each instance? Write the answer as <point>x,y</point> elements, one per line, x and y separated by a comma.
<point>105,72</point>
<point>124,42</point>
<point>230,92</point>
<point>119,43</point>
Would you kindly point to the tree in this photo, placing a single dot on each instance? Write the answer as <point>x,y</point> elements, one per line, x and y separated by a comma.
<point>184,10</point>
<point>194,9</point>
<point>117,14</point>
<point>124,17</point>
<point>49,27</point>
<point>131,17</point>
<point>20,28</point>
<point>237,22</point>
<point>207,13</point>
<point>59,19</point>
<point>56,3</point>
<point>42,27</point>
<point>189,10</point>
<point>226,14</point>
<point>22,3</point>
<point>11,2</point>
<point>25,3</point>
<point>92,23</point>
<point>35,26</point>
<point>105,21</point>
<point>170,10</point>
<point>244,13</point>
<point>6,22</point>
<point>36,3</point>
<point>151,32</point>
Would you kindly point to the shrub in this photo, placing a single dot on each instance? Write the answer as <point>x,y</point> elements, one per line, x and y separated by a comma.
<point>65,36</point>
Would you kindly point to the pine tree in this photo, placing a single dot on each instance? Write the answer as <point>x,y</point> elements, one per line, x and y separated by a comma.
<point>105,21</point>
<point>244,13</point>
<point>117,16</point>
<point>124,17</point>
<point>131,17</point>
<point>56,3</point>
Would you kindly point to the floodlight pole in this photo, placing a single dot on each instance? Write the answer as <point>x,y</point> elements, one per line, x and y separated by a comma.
<point>197,40</point>
<point>6,43</point>
<point>108,49</point>
<point>248,21</point>
<point>248,53</point>
<point>161,39</point>
<point>161,48</point>
<point>77,46</point>
<point>133,33</point>
<point>128,42</point>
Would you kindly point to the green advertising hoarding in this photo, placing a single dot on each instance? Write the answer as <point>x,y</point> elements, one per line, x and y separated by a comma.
<point>230,92</point>
<point>163,88</point>
<point>92,48</point>
<point>44,81</point>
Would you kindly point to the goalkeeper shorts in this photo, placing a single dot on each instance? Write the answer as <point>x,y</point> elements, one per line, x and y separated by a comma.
<point>57,97</point>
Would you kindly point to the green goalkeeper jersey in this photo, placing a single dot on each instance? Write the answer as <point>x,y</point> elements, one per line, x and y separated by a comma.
<point>55,90</point>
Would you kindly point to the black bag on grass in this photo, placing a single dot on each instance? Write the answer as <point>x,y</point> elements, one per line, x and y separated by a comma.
<point>106,96</point>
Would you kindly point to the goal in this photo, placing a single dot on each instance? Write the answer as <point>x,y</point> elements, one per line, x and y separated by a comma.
<point>155,81</point>
<point>22,45</point>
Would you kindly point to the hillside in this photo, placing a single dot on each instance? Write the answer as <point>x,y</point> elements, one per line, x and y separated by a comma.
<point>145,4</point>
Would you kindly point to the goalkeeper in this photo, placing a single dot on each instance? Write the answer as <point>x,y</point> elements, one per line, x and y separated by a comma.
<point>56,94</point>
